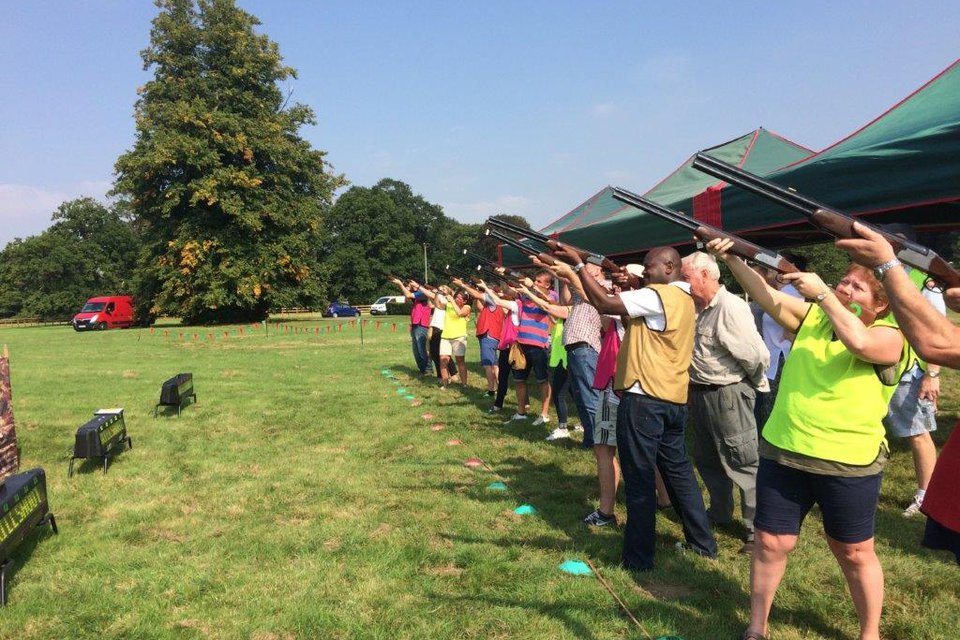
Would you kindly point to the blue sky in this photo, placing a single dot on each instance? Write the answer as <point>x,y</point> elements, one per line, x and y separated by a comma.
<point>525,107</point>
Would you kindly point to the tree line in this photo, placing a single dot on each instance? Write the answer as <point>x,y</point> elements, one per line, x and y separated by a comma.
<point>221,211</point>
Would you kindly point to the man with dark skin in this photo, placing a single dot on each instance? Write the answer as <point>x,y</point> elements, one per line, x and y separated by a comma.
<point>652,372</point>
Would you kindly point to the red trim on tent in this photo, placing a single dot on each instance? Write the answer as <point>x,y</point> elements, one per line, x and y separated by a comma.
<point>879,117</point>
<point>746,152</point>
<point>592,203</point>
<point>706,205</point>
<point>613,213</point>
<point>789,141</point>
<point>582,204</point>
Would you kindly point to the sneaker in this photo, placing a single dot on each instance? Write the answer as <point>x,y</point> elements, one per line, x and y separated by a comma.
<point>541,420</point>
<point>597,519</point>
<point>687,547</point>
<point>913,509</point>
<point>517,417</point>
<point>578,428</point>
<point>490,394</point>
<point>558,434</point>
<point>494,409</point>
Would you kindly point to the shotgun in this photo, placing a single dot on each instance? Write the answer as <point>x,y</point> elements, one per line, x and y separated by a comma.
<point>554,245</point>
<point>834,222</point>
<point>705,232</point>
<point>546,258</point>
<point>481,260</point>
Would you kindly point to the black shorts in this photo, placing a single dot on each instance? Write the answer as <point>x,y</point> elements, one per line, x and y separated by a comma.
<point>785,495</point>
<point>537,360</point>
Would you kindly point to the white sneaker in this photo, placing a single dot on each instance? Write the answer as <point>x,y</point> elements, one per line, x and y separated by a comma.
<point>558,434</point>
<point>578,428</point>
<point>541,420</point>
<point>913,509</point>
<point>517,417</point>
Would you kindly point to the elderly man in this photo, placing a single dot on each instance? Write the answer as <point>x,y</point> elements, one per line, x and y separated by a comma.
<point>729,364</point>
<point>652,372</point>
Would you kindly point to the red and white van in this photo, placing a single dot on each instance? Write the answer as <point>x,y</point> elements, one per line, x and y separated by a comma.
<point>105,312</point>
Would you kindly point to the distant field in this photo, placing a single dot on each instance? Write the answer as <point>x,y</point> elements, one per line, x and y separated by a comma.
<point>305,497</point>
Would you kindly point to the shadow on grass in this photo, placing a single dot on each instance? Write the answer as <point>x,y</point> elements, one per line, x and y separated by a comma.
<point>23,553</point>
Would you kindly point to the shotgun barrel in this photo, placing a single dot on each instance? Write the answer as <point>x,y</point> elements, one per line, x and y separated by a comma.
<point>831,220</point>
<point>530,251</point>
<point>705,232</point>
<point>555,245</point>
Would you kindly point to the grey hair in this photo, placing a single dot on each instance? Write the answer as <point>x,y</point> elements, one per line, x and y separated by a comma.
<point>700,260</point>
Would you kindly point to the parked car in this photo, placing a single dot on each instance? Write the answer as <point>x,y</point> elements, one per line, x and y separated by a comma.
<point>105,312</point>
<point>379,308</point>
<point>340,310</point>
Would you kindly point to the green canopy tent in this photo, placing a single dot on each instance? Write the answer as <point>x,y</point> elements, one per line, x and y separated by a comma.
<point>758,151</point>
<point>904,166</point>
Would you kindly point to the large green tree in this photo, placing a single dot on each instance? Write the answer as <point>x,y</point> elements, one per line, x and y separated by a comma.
<point>382,229</point>
<point>229,197</point>
<point>89,250</point>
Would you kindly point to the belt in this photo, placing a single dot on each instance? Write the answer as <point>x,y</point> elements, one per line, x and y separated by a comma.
<point>711,387</point>
<point>577,345</point>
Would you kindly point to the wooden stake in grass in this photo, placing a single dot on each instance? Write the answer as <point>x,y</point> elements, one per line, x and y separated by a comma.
<point>619,601</point>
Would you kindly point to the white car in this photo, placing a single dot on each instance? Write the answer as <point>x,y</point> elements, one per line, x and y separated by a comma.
<point>379,308</point>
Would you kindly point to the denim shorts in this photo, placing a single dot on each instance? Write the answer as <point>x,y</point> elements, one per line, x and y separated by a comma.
<point>488,351</point>
<point>905,417</point>
<point>537,360</point>
<point>785,495</point>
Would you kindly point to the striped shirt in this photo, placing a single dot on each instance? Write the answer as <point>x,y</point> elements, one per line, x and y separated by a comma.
<point>535,324</point>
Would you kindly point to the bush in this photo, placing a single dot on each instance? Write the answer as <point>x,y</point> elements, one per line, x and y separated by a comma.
<point>401,309</point>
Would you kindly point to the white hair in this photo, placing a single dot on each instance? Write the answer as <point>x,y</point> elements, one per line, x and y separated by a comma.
<point>703,261</point>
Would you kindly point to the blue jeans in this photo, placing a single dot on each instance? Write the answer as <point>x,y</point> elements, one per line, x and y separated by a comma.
<point>650,432</point>
<point>582,364</point>
<point>418,335</point>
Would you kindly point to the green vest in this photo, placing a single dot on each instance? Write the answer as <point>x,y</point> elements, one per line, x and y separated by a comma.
<point>454,326</point>
<point>558,352</point>
<point>831,404</point>
<point>918,278</point>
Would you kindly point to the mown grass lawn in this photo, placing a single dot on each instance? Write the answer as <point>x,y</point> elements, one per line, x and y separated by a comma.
<point>305,497</point>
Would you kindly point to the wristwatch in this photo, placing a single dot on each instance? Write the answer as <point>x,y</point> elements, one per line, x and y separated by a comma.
<point>933,374</point>
<point>820,296</point>
<point>578,267</point>
<point>881,271</point>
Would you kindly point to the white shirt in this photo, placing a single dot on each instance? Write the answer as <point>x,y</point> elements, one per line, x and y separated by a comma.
<point>777,339</point>
<point>439,313</point>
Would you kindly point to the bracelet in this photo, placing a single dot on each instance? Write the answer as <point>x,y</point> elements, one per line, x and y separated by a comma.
<point>881,270</point>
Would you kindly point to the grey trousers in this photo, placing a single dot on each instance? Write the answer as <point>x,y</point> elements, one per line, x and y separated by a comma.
<point>725,447</point>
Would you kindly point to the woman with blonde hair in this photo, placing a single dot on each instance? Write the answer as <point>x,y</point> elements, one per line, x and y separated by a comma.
<point>824,441</point>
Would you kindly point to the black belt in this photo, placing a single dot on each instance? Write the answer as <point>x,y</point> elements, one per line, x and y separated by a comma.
<point>577,345</point>
<point>711,387</point>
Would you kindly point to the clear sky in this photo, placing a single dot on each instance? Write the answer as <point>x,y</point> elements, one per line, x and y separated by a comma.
<point>517,106</point>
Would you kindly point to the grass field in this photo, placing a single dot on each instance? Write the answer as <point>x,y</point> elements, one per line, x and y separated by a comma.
<point>305,497</point>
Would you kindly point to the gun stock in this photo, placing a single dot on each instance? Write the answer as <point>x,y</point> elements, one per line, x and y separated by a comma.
<point>705,232</point>
<point>834,222</point>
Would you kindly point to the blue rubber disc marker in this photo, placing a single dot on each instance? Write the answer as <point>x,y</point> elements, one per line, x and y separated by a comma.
<point>575,567</point>
<point>525,510</point>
